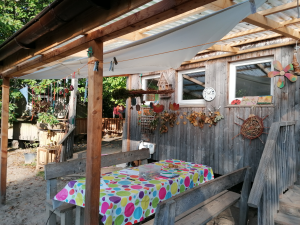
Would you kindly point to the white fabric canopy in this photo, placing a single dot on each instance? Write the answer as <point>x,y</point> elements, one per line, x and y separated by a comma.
<point>204,30</point>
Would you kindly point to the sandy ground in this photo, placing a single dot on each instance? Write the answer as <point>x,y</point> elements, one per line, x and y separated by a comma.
<point>26,193</point>
<point>26,190</point>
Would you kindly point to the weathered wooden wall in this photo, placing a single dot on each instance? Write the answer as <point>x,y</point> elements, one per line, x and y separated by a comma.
<point>214,146</point>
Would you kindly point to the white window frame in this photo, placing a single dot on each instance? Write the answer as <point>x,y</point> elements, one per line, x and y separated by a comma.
<point>144,85</point>
<point>232,75</point>
<point>180,88</point>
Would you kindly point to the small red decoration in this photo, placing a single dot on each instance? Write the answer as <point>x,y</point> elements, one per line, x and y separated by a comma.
<point>66,90</point>
<point>236,102</point>
<point>71,88</point>
<point>60,92</point>
<point>158,108</point>
<point>174,106</point>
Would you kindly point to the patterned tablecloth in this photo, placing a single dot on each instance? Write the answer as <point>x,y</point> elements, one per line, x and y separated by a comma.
<point>128,199</point>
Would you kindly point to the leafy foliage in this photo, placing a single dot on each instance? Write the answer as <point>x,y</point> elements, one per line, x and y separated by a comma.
<point>109,85</point>
<point>15,14</point>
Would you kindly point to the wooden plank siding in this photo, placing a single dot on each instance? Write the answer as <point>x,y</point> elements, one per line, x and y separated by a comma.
<point>214,146</point>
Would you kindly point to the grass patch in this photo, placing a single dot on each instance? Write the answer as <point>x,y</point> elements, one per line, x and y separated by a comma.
<point>41,174</point>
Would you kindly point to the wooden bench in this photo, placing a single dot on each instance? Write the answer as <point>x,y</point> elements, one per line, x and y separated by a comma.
<point>55,170</point>
<point>200,204</point>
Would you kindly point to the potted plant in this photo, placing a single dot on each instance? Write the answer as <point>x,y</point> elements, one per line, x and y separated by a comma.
<point>49,121</point>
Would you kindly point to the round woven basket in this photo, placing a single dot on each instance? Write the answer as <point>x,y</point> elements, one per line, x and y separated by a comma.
<point>252,128</point>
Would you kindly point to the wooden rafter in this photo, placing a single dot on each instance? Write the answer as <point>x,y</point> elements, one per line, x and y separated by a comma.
<point>223,48</point>
<point>278,9</point>
<point>258,20</point>
<point>193,80</point>
<point>156,13</point>
<point>241,52</point>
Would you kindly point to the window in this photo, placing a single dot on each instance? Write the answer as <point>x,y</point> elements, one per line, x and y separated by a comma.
<point>150,83</point>
<point>191,84</point>
<point>250,78</point>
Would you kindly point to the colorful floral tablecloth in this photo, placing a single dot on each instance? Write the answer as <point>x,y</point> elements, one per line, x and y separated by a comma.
<point>128,199</point>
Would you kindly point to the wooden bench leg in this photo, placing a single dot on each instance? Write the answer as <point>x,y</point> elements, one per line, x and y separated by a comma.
<point>67,217</point>
<point>244,199</point>
<point>52,219</point>
<point>79,217</point>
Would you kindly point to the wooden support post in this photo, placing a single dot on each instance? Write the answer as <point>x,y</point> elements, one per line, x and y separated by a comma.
<point>4,139</point>
<point>128,114</point>
<point>94,135</point>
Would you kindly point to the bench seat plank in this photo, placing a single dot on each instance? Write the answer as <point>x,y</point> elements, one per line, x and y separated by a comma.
<point>61,209</point>
<point>210,210</point>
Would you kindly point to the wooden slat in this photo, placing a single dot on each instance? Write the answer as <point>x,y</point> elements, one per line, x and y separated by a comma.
<point>209,211</point>
<point>192,197</point>
<point>79,165</point>
<point>151,15</point>
<point>4,139</point>
<point>259,180</point>
<point>66,136</point>
<point>243,219</point>
<point>94,135</point>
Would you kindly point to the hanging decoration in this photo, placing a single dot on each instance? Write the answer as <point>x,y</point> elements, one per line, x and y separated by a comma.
<point>85,90</point>
<point>90,52</point>
<point>133,101</point>
<point>163,84</point>
<point>24,92</point>
<point>252,127</point>
<point>174,106</point>
<point>282,72</point>
<point>138,107</point>
<point>296,64</point>
<point>158,108</point>
<point>236,102</point>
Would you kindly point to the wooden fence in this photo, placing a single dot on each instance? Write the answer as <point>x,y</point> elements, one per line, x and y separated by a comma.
<point>276,171</point>
<point>111,125</point>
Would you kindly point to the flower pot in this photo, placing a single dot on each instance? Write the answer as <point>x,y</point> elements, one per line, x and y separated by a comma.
<point>59,126</point>
<point>42,126</point>
<point>29,157</point>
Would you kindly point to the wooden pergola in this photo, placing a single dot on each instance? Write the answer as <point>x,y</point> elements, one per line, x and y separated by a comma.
<point>131,28</point>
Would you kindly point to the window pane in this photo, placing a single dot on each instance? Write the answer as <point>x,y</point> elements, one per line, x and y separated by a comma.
<point>191,85</point>
<point>252,80</point>
<point>151,84</point>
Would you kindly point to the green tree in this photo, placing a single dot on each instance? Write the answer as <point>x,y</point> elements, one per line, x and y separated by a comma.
<point>109,84</point>
<point>15,14</point>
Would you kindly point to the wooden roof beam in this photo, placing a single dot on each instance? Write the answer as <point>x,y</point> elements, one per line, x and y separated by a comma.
<point>154,14</point>
<point>266,23</point>
<point>240,52</point>
<point>258,20</point>
<point>223,48</point>
<point>278,9</point>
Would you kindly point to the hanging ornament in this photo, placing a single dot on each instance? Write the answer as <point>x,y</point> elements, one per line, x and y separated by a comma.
<point>71,87</point>
<point>296,64</point>
<point>60,92</point>
<point>66,90</point>
<point>85,90</point>
<point>158,108</point>
<point>282,73</point>
<point>133,101</point>
<point>138,107</point>
<point>174,106</point>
